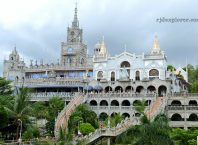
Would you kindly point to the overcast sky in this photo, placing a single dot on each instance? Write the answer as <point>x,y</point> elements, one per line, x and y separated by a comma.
<point>37,27</point>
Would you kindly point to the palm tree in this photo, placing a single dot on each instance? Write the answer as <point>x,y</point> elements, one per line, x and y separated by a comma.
<point>148,132</point>
<point>21,108</point>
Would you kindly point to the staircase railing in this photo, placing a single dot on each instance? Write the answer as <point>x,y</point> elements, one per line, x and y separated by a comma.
<point>63,116</point>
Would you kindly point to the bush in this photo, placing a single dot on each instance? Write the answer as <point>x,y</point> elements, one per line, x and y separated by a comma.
<point>30,133</point>
<point>86,128</point>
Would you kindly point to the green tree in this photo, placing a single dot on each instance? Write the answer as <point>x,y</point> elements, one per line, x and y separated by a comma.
<point>86,128</point>
<point>194,87</point>
<point>84,114</point>
<point>56,104</point>
<point>171,68</point>
<point>148,132</point>
<point>21,108</point>
<point>31,132</point>
<point>184,137</point>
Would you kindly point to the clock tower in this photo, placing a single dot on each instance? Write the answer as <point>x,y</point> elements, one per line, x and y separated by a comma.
<point>74,51</point>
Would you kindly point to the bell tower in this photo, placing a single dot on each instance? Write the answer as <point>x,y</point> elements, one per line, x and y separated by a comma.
<point>74,51</point>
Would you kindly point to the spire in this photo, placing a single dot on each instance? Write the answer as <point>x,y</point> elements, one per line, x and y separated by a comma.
<point>156,43</point>
<point>75,22</point>
<point>156,47</point>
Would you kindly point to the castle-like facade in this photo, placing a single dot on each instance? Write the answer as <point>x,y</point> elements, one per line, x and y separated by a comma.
<point>112,83</point>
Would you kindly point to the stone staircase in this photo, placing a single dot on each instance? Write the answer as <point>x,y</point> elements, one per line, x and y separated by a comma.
<point>63,116</point>
<point>155,108</point>
<point>110,132</point>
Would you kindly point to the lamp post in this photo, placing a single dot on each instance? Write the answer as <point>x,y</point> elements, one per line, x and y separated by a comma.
<point>20,139</point>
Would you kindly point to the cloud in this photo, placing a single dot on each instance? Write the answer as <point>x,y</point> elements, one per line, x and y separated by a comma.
<point>38,27</point>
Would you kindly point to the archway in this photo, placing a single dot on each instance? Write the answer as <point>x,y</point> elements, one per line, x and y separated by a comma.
<point>193,117</point>
<point>176,103</point>
<point>139,89</point>
<point>108,89</point>
<point>129,89</point>
<point>162,90</point>
<point>118,89</point>
<point>103,116</point>
<point>113,114</point>
<point>114,103</point>
<point>124,115</point>
<point>136,102</point>
<point>151,89</point>
<point>176,117</point>
<point>192,103</point>
<point>93,103</point>
<point>103,103</point>
<point>126,103</point>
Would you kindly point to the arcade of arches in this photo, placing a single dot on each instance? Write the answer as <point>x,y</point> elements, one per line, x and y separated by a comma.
<point>161,90</point>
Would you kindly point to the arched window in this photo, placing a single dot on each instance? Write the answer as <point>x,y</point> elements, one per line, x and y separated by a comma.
<point>112,76</point>
<point>125,64</point>
<point>137,75</point>
<point>99,75</point>
<point>153,73</point>
<point>125,70</point>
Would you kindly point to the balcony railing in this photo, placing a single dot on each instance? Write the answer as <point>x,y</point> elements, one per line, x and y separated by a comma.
<point>48,95</point>
<point>120,94</point>
<point>182,107</point>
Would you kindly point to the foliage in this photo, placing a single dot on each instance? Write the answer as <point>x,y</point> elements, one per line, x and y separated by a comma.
<point>171,68</point>
<point>39,110</point>
<point>114,120</point>
<point>86,128</point>
<point>184,137</point>
<point>64,137</point>
<point>194,87</point>
<point>84,114</point>
<point>148,132</point>
<point>56,104</point>
<point>21,108</point>
<point>30,133</point>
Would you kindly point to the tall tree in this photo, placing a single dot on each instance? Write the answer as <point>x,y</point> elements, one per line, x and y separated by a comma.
<point>21,108</point>
<point>148,132</point>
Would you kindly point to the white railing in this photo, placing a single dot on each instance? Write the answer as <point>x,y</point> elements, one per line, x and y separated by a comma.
<point>49,95</point>
<point>119,94</point>
<point>183,95</point>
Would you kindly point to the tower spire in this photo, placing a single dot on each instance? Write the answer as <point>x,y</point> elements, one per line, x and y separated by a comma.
<point>156,47</point>
<point>75,22</point>
<point>156,43</point>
